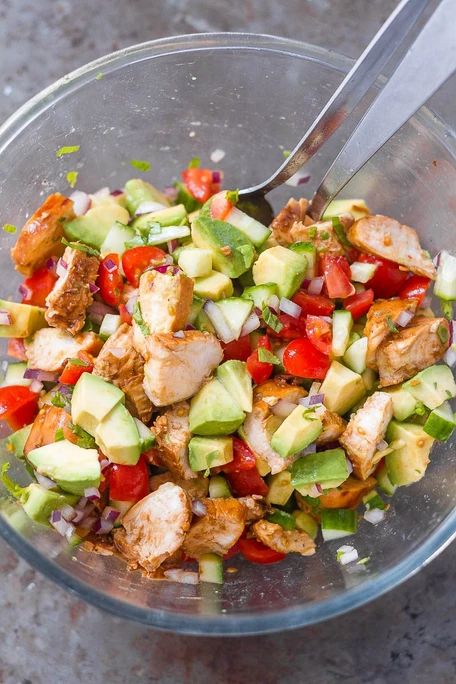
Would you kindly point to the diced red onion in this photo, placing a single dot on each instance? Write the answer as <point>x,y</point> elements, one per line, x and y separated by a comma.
<point>102,526</point>
<point>81,202</point>
<point>170,192</point>
<point>88,522</point>
<point>24,291</point>
<point>349,465</point>
<point>189,326</point>
<point>289,307</point>
<point>104,463</point>
<point>168,259</point>
<point>66,529</point>
<point>182,576</point>
<point>91,493</point>
<point>219,321</point>
<point>110,514</point>
<point>450,356</point>
<point>382,445</point>
<point>68,512</point>
<point>93,288</point>
<point>81,503</point>
<point>257,310</point>
<point>148,208</point>
<point>316,285</point>
<point>102,192</point>
<point>162,268</point>
<point>179,334</point>
<point>199,508</point>
<point>116,193</point>
<point>436,260</point>
<point>319,488</point>
<point>5,318</point>
<point>98,310</point>
<point>130,303</point>
<point>316,399</point>
<point>252,323</point>
<point>45,482</point>
<point>51,263</point>
<point>283,408</point>
<point>404,318</point>
<point>304,401</point>
<point>41,375</point>
<point>172,245</point>
<point>61,268</point>
<point>273,303</point>
<point>311,449</point>
<point>374,515</point>
<point>110,266</point>
<point>217,176</point>
<point>36,386</point>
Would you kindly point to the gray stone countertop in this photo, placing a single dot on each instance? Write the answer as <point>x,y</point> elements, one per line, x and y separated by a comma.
<point>48,636</point>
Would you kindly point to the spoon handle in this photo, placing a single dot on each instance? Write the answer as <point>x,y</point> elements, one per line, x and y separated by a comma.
<point>429,62</point>
<point>350,92</point>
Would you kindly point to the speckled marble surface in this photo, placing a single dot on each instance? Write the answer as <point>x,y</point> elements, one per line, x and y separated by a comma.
<point>48,636</point>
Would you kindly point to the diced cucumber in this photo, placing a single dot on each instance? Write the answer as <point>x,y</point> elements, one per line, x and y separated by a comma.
<point>260,294</point>
<point>282,518</point>
<point>354,336</point>
<point>361,272</point>
<point>280,488</point>
<point>432,386</point>
<point>236,311</point>
<point>341,329</point>
<point>219,487</point>
<point>306,523</point>
<point>167,233</point>
<point>146,436</point>
<point>203,323</point>
<point>370,379</point>
<point>195,262</point>
<point>440,423</point>
<point>254,230</point>
<point>210,567</point>
<point>109,325</point>
<point>310,252</point>
<point>404,403</point>
<point>197,305</point>
<point>116,238</point>
<point>338,522</point>
<point>169,217</point>
<point>355,356</point>
<point>445,284</point>
<point>14,375</point>
<point>384,481</point>
<point>15,443</point>
<point>121,506</point>
<point>356,207</point>
<point>374,500</point>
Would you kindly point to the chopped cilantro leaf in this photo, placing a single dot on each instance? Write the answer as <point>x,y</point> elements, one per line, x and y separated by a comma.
<point>312,232</point>
<point>363,561</point>
<point>194,163</point>
<point>232,196</point>
<point>420,409</point>
<point>59,400</point>
<point>271,320</point>
<point>266,356</point>
<point>72,178</point>
<point>99,76</point>
<point>137,241</point>
<point>391,326</point>
<point>286,153</point>
<point>9,228</point>
<point>137,317</point>
<point>14,489</point>
<point>59,435</point>
<point>67,149</point>
<point>77,362</point>
<point>85,441</point>
<point>324,235</point>
<point>442,332</point>
<point>340,232</point>
<point>140,164</point>
<point>81,247</point>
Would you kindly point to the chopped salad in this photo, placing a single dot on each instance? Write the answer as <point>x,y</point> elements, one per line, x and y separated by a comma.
<point>188,384</point>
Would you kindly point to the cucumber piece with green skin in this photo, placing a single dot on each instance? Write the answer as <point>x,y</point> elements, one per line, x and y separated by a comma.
<point>356,207</point>
<point>440,422</point>
<point>171,216</point>
<point>236,311</point>
<point>195,262</point>
<point>147,438</point>
<point>362,273</point>
<point>374,500</point>
<point>310,252</point>
<point>16,442</point>
<point>184,197</point>
<point>138,191</point>
<point>280,488</point>
<point>260,294</point>
<point>355,355</point>
<point>384,481</point>
<point>282,518</point>
<point>197,305</point>
<point>445,284</point>
<point>210,568</point>
<point>203,323</point>
<point>158,236</point>
<point>323,467</point>
<point>338,522</point>
<point>114,242</point>
<point>14,375</point>
<point>219,488</point>
<point>404,403</point>
<point>306,523</point>
<point>341,329</point>
<point>370,379</point>
<point>432,386</point>
<point>109,325</point>
<point>254,230</point>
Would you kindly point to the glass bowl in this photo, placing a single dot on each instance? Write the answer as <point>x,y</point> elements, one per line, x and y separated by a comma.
<point>250,96</point>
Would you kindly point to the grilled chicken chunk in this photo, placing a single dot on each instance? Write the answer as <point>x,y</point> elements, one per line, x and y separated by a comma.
<point>120,363</point>
<point>41,236</point>
<point>413,348</point>
<point>173,435</point>
<point>365,429</point>
<point>71,296</point>
<point>165,300</point>
<point>154,528</point>
<point>385,237</point>
<point>49,348</point>
<point>294,210</point>
<point>218,530</point>
<point>283,541</point>
<point>333,427</point>
<point>255,507</point>
<point>48,421</point>
<point>176,367</point>
<point>322,234</point>
<point>197,488</point>
<point>382,319</point>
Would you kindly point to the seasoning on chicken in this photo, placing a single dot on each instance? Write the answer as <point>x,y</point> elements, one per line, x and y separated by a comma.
<point>218,530</point>
<point>413,348</point>
<point>41,236</point>
<point>387,238</point>
<point>165,300</point>
<point>322,234</point>
<point>197,488</point>
<point>44,428</point>
<point>283,541</point>
<point>120,363</point>
<point>333,427</point>
<point>173,435</point>
<point>49,348</point>
<point>176,367</point>
<point>255,506</point>
<point>366,428</point>
<point>382,320</point>
<point>348,494</point>
<point>155,527</point>
<point>71,296</point>
<point>294,210</point>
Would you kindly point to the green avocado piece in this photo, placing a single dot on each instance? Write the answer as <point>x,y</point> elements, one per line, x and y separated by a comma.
<point>342,388</point>
<point>297,431</point>
<point>281,266</point>
<point>237,380</point>
<point>213,411</point>
<point>71,467</point>
<point>40,502</point>
<point>93,227</point>
<point>282,518</point>
<point>215,286</point>
<point>115,240</point>
<point>310,252</point>
<point>408,463</point>
<point>440,422</point>
<point>93,398</point>
<point>238,251</point>
<point>138,191</point>
<point>209,452</point>
<point>16,442</point>
<point>171,216</point>
<point>356,207</point>
<point>118,437</point>
<point>25,319</point>
<point>279,488</point>
<point>432,386</point>
<point>321,467</point>
<point>147,438</point>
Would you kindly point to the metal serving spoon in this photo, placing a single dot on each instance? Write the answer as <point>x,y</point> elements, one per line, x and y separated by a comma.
<point>429,61</point>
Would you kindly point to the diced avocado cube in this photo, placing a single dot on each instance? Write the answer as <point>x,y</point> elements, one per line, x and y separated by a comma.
<point>306,523</point>
<point>362,273</point>
<point>342,388</point>
<point>298,430</point>
<point>373,500</point>
<point>260,294</point>
<point>109,325</point>
<point>195,262</point>
<point>171,217</point>
<point>338,522</point>
<point>114,242</point>
<point>93,227</point>
<point>72,468</point>
<point>232,252</point>
<point>39,503</point>
<point>281,266</point>
<point>25,319</point>
<point>355,356</point>
<point>253,229</point>
<point>280,488</point>
<point>209,452</point>
<point>214,286</point>
<point>118,437</point>
<point>219,487</point>
<point>138,191</point>
<point>16,442</point>
<point>408,463</point>
<point>341,329</point>
<point>147,438</point>
<point>440,422</point>
<point>235,311</point>
<point>321,467</point>
<point>93,398</point>
<point>14,375</point>
<point>310,252</point>
<point>213,411</point>
<point>282,518</point>
<point>356,207</point>
<point>235,378</point>
<point>432,386</point>
<point>404,403</point>
<point>210,568</point>
<point>203,323</point>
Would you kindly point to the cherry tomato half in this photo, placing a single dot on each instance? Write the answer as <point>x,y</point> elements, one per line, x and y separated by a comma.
<point>302,359</point>
<point>292,327</point>
<point>125,315</point>
<point>238,350</point>
<point>387,279</point>
<point>313,305</point>
<point>243,458</point>
<point>247,482</point>
<point>415,288</point>
<point>256,552</point>
<point>74,368</point>
<point>16,348</point>
<point>220,206</point>
<point>200,183</point>
<point>336,271</point>
<point>260,370</point>
<point>38,286</point>
<point>319,333</point>
<point>128,482</point>
<point>360,303</point>
<point>18,406</point>
<point>136,260</point>
<point>110,280</point>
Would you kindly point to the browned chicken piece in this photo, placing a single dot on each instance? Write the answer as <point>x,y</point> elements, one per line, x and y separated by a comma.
<point>120,363</point>
<point>365,429</point>
<point>218,530</point>
<point>41,236</point>
<point>387,238</point>
<point>413,348</point>
<point>294,210</point>
<point>197,488</point>
<point>255,507</point>
<point>382,319</point>
<point>348,494</point>
<point>333,427</point>
<point>261,423</point>
<point>154,528</point>
<point>49,348</point>
<point>71,296</point>
<point>48,421</point>
<point>322,234</point>
<point>165,300</point>
<point>283,541</point>
<point>173,435</point>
